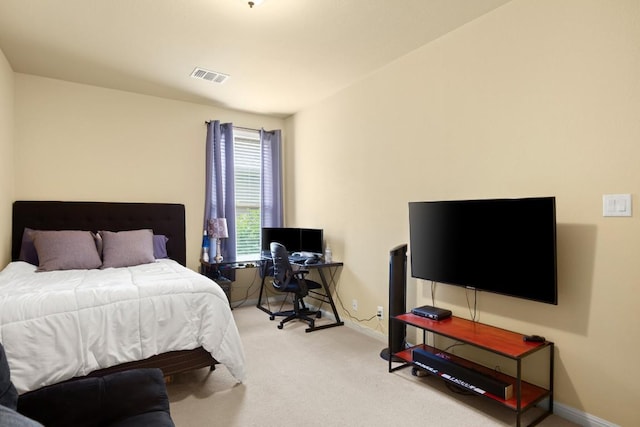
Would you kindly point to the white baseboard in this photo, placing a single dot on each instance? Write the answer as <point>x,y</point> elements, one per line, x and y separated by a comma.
<point>377,335</point>
<point>577,416</point>
<point>277,299</point>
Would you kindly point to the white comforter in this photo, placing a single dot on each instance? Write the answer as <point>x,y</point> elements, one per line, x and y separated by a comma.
<point>62,324</point>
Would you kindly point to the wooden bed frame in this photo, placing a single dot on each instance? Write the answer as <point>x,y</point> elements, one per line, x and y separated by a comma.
<point>162,218</point>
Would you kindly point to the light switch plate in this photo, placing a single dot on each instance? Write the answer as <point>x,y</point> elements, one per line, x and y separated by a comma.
<point>616,205</point>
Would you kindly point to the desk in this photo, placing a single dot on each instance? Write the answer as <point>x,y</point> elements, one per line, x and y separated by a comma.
<point>266,268</point>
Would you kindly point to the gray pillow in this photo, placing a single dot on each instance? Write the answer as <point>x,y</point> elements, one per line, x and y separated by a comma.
<point>66,250</point>
<point>127,248</point>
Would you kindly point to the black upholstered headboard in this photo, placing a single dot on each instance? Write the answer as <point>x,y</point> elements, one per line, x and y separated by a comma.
<point>162,218</point>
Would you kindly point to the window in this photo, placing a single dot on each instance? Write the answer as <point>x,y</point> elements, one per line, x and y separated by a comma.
<point>236,191</point>
<point>247,158</point>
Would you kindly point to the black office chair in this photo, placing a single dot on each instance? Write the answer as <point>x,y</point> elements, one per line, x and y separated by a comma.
<point>286,279</point>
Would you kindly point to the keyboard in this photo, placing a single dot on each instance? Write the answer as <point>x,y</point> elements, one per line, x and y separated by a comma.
<point>303,254</point>
<point>297,259</point>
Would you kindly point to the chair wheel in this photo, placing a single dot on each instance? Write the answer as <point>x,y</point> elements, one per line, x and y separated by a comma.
<point>318,315</point>
<point>271,317</point>
<point>280,326</point>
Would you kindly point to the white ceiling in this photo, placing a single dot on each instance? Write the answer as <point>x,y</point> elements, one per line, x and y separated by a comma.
<point>282,56</point>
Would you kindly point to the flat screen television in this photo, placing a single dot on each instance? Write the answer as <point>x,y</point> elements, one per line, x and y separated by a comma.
<point>505,246</point>
<point>294,239</point>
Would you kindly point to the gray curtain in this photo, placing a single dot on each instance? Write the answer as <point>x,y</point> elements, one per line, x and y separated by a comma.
<point>271,212</point>
<point>220,190</point>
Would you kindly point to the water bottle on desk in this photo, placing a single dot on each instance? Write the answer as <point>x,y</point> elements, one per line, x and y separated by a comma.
<point>327,255</point>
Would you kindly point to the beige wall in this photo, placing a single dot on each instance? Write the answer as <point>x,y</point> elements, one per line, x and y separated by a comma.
<point>6,157</point>
<point>78,142</point>
<point>537,98</point>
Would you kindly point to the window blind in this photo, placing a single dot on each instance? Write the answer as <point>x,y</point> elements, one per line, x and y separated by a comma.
<point>247,185</point>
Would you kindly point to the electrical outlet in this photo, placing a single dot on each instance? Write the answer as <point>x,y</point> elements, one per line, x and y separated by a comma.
<point>354,304</point>
<point>380,313</point>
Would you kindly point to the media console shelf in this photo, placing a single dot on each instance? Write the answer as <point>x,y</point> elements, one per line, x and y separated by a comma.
<point>495,340</point>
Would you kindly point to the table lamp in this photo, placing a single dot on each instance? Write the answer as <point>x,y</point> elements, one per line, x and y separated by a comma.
<point>218,230</point>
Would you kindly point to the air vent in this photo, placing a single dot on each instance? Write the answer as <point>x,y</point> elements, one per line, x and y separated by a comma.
<point>210,76</point>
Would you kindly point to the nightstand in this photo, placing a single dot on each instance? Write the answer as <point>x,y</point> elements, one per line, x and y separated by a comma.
<point>215,272</point>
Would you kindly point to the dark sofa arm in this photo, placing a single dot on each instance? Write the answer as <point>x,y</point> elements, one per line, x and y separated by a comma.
<point>128,398</point>
<point>142,394</point>
<point>8,393</point>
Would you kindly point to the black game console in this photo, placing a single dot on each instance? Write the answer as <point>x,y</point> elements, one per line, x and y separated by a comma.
<point>431,312</point>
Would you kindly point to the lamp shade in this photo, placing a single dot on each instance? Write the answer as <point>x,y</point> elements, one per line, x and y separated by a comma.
<point>218,228</point>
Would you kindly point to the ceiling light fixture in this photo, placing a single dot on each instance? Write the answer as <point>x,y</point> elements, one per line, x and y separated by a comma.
<point>255,3</point>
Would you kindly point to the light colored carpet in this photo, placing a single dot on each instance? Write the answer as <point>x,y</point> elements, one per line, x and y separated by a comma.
<point>324,378</point>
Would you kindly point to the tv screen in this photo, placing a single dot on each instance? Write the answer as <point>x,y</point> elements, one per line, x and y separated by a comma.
<point>506,246</point>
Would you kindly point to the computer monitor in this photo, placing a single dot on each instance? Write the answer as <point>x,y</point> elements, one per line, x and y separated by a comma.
<point>289,237</point>
<point>294,239</point>
<point>311,240</point>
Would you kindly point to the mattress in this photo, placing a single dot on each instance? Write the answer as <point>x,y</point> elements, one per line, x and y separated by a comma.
<point>63,324</point>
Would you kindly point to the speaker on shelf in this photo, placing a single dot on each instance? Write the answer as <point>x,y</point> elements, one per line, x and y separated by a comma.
<point>397,300</point>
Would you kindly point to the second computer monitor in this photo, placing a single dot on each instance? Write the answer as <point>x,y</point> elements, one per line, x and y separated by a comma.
<point>311,240</point>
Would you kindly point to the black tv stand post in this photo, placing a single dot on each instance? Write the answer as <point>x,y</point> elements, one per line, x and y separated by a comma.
<point>495,340</point>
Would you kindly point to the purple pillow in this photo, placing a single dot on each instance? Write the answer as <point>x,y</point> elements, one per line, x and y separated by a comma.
<point>160,246</point>
<point>28,251</point>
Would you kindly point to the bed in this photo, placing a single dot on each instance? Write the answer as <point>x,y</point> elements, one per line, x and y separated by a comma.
<point>59,325</point>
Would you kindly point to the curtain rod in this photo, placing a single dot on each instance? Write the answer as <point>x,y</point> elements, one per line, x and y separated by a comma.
<point>206,122</point>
